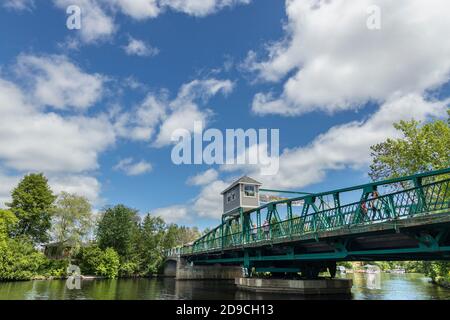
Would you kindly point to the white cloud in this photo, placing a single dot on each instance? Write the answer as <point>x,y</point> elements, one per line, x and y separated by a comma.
<point>158,114</point>
<point>209,203</point>
<point>34,140</point>
<point>81,185</point>
<point>184,110</point>
<point>334,62</point>
<point>140,48</point>
<point>139,9</point>
<point>57,82</point>
<point>348,145</point>
<point>182,118</point>
<point>96,22</point>
<point>132,168</point>
<point>7,184</point>
<point>18,4</point>
<point>203,178</point>
<point>343,146</point>
<point>200,7</point>
<point>173,214</point>
<point>98,16</point>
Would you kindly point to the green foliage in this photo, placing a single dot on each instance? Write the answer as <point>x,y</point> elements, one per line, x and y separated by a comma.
<point>117,229</point>
<point>129,269</point>
<point>153,237</point>
<point>423,147</point>
<point>346,264</point>
<point>54,268</point>
<point>95,261</point>
<point>32,203</point>
<point>72,219</point>
<point>7,222</point>
<point>19,260</point>
<point>437,271</point>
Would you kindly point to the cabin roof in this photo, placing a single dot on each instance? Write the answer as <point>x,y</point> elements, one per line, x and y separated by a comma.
<point>242,180</point>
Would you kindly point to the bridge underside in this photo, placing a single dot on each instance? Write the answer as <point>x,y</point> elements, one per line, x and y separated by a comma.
<point>425,237</point>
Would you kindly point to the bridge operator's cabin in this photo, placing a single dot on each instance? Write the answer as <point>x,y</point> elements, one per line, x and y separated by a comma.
<point>243,193</point>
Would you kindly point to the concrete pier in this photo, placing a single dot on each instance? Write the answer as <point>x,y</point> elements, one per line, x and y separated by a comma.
<point>305,287</point>
<point>208,272</point>
<point>182,270</point>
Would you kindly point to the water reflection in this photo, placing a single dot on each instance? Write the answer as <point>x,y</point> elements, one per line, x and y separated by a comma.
<point>365,287</point>
<point>373,281</point>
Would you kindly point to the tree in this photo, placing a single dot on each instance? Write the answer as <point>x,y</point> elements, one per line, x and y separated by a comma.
<point>117,229</point>
<point>153,234</point>
<point>95,261</point>
<point>72,219</point>
<point>423,147</point>
<point>178,236</point>
<point>32,203</point>
<point>7,222</point>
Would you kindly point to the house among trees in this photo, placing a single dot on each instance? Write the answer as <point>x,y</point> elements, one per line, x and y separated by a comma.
<point>59,250</point>
<point>243,193</point>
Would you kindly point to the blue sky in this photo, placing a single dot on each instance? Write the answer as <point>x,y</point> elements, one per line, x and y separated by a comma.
<point>92,108</point>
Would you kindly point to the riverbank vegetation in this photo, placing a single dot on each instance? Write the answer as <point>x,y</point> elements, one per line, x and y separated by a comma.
<point>421,147</point>
<point>41,233</point>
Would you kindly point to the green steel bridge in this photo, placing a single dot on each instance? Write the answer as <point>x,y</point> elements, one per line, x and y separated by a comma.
<point>399,219</point>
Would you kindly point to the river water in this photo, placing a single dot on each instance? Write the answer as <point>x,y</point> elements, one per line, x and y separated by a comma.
<point>365,287</point>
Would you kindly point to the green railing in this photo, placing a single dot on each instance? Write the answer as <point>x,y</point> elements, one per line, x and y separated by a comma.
<point>422,199</point>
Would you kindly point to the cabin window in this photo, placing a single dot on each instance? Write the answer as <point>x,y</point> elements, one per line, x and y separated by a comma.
<point>231,196</point>
<point>249,191</point>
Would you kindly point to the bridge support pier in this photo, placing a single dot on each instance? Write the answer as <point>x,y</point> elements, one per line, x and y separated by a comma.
<point>186,271</point>
<point>304,287</point>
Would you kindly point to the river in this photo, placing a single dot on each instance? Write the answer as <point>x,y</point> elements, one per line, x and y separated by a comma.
<point>366,287</point>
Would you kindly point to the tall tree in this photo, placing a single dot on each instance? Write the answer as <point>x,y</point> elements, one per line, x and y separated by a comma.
<point>423,147</point>
<point>72,219</point>
<point>117,229</point>
<point>32,203</point>
<point>153,234</point>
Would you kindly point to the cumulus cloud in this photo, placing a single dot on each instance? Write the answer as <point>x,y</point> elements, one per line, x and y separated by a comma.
<point>173,214</point>
<point>333,62</point>
<point>98,16</point>
<point>31,139</point>
<point>81,185</point>
<point>97,23</point>
<point>57,82</point>
<point>161,116</point>
<point>7,183</point>
<point>139,9</point>
<point>348,145</point>
<point>200,7</point>
<point>209,203</point>
<point>132,168</point>
<point>18,4</point>
<point>64,146</point>
<point>203,178</point>
<point>140,48</point>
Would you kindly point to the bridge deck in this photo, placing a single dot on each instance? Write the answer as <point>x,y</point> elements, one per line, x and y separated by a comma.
<point>413,222</point>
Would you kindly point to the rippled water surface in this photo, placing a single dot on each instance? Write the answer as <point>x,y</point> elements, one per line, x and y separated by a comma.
<point>365,287</point>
